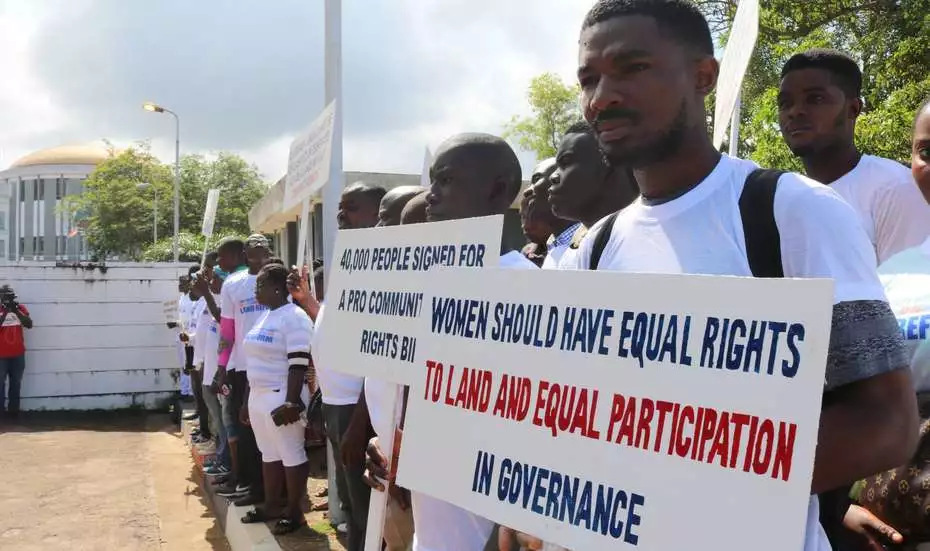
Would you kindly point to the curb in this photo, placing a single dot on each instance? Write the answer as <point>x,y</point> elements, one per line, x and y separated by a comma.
<point>241,537</point>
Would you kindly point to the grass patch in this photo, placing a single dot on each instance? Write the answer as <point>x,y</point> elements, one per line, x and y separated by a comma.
<point>323,527</point>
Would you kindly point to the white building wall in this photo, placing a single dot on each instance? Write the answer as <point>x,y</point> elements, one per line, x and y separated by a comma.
<point>100,339</point>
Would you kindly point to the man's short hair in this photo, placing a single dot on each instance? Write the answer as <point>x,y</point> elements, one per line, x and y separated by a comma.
<point>231,245</point>
<point>681,19</point>
<point>580,127</point>
<point>844,69</point>
<point>371,192</point>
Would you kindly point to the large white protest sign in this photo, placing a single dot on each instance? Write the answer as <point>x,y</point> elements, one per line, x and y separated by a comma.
<point>740,44</point>
<point>308,161</point>
<point>209,212</point>
<point>646,411</point>
<point>170,308</point>
<point>373,300</point>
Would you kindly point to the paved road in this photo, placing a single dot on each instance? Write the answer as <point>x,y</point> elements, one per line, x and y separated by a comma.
<point>100,482</point>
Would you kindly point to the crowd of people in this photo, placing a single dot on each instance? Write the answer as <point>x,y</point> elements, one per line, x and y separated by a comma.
<point>637,186</point>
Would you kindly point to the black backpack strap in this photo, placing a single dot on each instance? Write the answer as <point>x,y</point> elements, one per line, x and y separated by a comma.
<point>601,239</point>
<point>757,209</point>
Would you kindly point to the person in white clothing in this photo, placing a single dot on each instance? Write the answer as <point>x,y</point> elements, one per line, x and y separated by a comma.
<point>645,69</point>
<point>472,175</point>
<point>276,352</point>
<point>561,230</point>
<point>819,100</point>
<point>585,187</point>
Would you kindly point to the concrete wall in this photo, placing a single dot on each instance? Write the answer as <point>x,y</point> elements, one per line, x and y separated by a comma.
<point>100,340</point>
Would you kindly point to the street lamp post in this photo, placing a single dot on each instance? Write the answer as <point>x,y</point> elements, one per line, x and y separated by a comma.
<point>151,107</point>
<point>146,185</point>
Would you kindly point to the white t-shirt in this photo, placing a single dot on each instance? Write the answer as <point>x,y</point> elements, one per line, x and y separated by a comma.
<point>276,333</point>
<point>211,350</point>
<point>906,277</point>
<point>199,326</point>
<point>892,209</point>
<point>438,525</point>
<point>185,307</point>
<point>238,298</point>
<point>337,388</point>
<point>558,246</point>
<point>701,232</point>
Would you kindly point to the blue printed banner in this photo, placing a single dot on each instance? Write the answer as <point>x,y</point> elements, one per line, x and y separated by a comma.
<point>603,410</point>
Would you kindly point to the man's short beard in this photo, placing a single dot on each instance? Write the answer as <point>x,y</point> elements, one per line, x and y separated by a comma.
<point>664,146</point>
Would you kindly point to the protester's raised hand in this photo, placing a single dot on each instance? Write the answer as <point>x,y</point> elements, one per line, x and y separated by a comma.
<point>201,280</point>
<point>299,285</point>
<point>376,465</point>
<point>861,521</point>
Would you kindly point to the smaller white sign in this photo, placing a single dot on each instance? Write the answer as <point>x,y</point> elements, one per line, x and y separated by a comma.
<point>309,158</point>
<point>209,213</point>
<point>170,308</point>
<point>373,300</point>
<point>740,45</point>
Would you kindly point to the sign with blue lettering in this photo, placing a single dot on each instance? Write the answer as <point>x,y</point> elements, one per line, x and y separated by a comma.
<point>909,297</point>
<point>374,300</point>
<point>634,411</point>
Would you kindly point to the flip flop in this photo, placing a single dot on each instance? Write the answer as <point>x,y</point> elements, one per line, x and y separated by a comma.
<point>256,516</point>
<point>287,526</point>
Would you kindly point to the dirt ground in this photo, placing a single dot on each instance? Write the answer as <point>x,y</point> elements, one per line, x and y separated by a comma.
<point>92,482</point>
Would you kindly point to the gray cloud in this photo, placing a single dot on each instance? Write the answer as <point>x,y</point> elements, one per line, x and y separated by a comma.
<point>244,74</point>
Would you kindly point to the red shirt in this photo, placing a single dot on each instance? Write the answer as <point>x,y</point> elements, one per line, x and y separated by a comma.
<point>12,343</point>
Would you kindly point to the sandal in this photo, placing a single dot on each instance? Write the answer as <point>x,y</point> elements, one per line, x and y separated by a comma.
<point>286,526</point>
<point>255,516</point>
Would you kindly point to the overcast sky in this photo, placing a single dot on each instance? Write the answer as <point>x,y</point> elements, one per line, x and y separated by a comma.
<point>246,76</point>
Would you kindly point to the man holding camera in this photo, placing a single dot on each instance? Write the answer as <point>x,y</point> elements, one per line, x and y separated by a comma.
<point>13,318</point>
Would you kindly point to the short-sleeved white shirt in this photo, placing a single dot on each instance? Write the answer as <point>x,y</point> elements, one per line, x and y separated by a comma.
<point>238,303</point>
<point>199,325</point>
<point>893,212</point>
<point>336,387</point>
<point>701,232</point>
<point>265,348</point>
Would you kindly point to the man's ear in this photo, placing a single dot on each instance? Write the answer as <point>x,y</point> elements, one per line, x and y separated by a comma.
<point>706,71</point>
<point>855,107</point>
<point>501,195</point>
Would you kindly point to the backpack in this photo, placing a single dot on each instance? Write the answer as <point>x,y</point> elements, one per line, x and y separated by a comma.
<point>763,251</point>
<point>757,210</point>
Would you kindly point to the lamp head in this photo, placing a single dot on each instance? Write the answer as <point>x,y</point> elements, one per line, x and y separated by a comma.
<point>149,106</point>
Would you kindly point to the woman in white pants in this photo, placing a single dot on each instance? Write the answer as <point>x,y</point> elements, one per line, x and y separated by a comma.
<point>277,353</point>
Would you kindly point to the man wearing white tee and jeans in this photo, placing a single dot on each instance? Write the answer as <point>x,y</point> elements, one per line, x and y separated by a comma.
<point>645,69</point>
<point>819,100</point>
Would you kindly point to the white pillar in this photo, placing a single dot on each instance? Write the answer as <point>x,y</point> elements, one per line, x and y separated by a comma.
<point>333,188</point>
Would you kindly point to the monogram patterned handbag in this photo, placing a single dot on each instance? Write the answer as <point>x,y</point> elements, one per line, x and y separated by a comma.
<point>901,497</point>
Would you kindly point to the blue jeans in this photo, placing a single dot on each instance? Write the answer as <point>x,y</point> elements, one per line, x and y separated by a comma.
<point>219,427</point>
<point>12,368</point>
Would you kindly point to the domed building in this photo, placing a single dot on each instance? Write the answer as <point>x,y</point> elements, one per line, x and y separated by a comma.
<point>31,225</point>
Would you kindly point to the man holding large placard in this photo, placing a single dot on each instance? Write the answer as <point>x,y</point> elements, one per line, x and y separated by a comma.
<point>645,68</point>
<point>473,175</point>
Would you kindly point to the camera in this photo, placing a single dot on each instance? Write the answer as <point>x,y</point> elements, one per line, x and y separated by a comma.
<point>8,298</point>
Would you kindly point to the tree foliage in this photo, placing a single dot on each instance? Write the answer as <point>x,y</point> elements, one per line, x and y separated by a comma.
<point>190,247</point>
<point>119,216</point>
<point>555,107</point>
<point>891,39</point>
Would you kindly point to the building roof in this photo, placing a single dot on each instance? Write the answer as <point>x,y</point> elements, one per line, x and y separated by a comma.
<point>87,154</point>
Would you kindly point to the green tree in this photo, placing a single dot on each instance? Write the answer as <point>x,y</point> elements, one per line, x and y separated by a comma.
<point>891,39</point>
<point>190,247</point>
<point>118,216</point>
<point>555,107</point>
